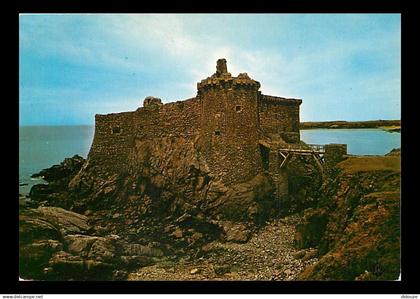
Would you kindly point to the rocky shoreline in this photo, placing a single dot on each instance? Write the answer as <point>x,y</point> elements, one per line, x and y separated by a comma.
<point>57,244</point>
<point>346,230</point>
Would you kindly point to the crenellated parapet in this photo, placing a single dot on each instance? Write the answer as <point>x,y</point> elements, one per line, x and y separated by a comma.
<point>224,80</point>
<point>244,80</point>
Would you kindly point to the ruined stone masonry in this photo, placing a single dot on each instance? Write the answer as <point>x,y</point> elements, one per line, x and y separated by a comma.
<point>227,120</point>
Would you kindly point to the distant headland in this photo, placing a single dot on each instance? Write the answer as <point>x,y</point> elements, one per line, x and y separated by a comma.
<point>387,125</point>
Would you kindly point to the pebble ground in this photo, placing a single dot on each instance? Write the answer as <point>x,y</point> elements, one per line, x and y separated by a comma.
<point>268,255</point>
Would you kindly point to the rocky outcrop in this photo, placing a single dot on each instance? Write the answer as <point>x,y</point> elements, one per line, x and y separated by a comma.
<point>356,225</point>
<point>41,233</point>
<point>56,244</point>
<point>58,177</point>
<point>250,201</point>
<point>310,231</point>
<point>394,152</point>
<point>65,170</point>
<point>160,185</point>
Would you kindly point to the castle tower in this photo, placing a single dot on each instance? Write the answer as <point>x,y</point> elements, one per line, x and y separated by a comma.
<point>229,124</point>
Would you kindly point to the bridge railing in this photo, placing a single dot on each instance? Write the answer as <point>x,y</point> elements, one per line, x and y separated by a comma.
<point>308,147</point>
<point>317,147</point>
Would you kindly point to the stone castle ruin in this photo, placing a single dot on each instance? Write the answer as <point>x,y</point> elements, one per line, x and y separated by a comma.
<point>217,152</point>
<point>228,117</point>
<point>165,186</point>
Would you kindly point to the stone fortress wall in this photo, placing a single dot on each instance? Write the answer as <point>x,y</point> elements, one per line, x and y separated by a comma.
<point>280,116</point>
<point>228,116</point>
<point>115,133</point>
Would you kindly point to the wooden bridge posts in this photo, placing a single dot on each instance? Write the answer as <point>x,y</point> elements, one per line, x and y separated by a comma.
<point>271,160</point>
<point>275,159</point>
<point>315,150</point>
<point>325,156</point>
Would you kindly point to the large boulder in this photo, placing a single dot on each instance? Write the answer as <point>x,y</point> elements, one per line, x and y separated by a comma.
<point>141,250</point>
<point>235,232</point>
<point>67,222</point>
<point>54,244</point>
<point>34,257</point>
<point>92,247</point>
<point>65,266</point>
<point>369,246</point>
<point>49,223</point>
<point>55,193</point>
<point>310,231</point>
<point>250,201</point>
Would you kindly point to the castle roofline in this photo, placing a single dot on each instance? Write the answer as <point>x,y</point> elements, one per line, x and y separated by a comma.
<point>280,100</point>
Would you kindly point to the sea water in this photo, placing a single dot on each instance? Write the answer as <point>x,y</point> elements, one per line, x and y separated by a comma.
<point>359,141</point>
<point>42,147</point>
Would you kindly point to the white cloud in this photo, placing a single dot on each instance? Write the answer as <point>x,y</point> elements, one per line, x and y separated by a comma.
<point>187,46</point>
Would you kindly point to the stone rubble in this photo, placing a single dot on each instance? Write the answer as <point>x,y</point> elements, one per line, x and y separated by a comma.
<point>268,255</point>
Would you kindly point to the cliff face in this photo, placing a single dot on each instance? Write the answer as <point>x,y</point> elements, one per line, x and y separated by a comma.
<point>166,177</point>
<point>356,225</point>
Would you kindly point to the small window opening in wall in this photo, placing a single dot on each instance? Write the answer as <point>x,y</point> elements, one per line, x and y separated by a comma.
<point>217,133</point>
<point>116,130</point>
<point>238,108</point>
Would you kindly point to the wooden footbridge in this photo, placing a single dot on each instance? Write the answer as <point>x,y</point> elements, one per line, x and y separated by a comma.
<point>317,151</point>
<point>276,155</point>
<point>281,153</point>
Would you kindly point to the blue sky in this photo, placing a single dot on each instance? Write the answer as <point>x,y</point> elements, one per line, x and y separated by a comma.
<point>343,66</point>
